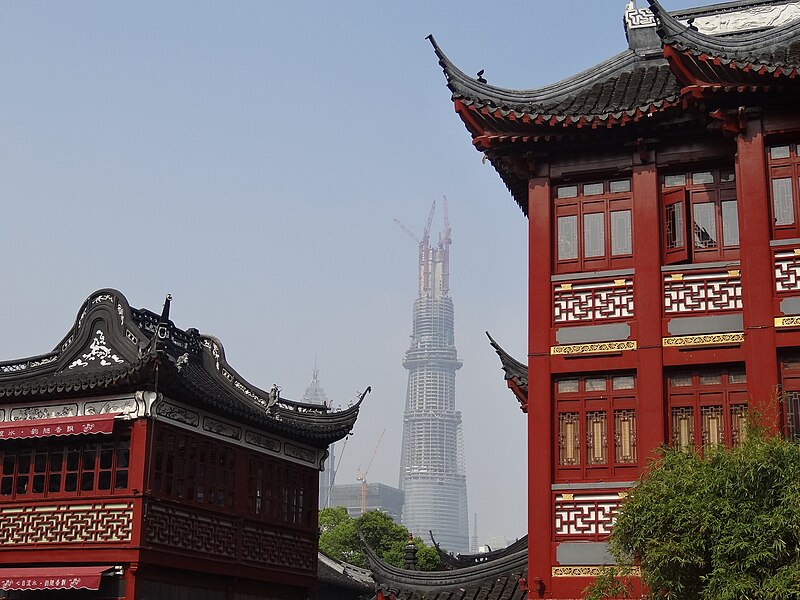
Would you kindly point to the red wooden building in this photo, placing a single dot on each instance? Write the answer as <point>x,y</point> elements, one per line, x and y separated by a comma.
<point>662,190</point>
<point>137,464</point>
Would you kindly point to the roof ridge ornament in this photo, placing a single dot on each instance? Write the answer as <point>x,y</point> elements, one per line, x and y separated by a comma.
<point>640,29</point>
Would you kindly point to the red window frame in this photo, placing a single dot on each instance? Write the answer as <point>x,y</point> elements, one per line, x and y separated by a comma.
<point>584,411</point>
<point>192,468</point>
<point>281,492</point>
<point>683,240</point>
<point>65,467</point>
<point>699,400</point>
<point>784,167</point>
<point>592,198</point>
<point>790,382</point>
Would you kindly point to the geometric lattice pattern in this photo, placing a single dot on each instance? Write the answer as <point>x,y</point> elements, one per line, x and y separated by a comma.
<point>236,539</point>
<point>787,272</point>
<point>190,530</point>
<point>585,516</point>
<point>600,300</point>
<point>264,545</point>
<point>702,292</point>
<point>87,523</point>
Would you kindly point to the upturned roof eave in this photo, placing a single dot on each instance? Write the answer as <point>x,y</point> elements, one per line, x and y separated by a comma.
<point>469,88</point>
<point>385,574</point>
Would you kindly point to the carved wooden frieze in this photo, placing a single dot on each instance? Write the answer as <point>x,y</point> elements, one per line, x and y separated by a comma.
<point>262,441</point>
<point>51,411</point>
<point>222,429</point>
<point>178,414</point>
<point>303,454</point>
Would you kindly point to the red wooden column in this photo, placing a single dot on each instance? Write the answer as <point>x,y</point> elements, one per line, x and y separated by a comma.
<point>648,303</point>
<point>540,395</point>
<point>138,478</point>
<point>131,591</point>
<point>757,273</point>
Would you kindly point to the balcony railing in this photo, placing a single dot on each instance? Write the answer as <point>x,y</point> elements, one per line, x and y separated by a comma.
<point>586,516</point>
<point>599,300</point>
<point>787,272</point>
<point>703,292</point>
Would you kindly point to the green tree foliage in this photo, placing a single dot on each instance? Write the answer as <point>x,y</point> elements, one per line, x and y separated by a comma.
<point>339,539</point>
<point>722,526</point>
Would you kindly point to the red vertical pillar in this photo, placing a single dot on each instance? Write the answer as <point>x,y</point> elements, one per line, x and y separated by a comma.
<point>540,395</point>
<point>648,303</point>
<point>137,475</point>
<point>757,274</point>
<point>129,579</point>
<point>138,478</point>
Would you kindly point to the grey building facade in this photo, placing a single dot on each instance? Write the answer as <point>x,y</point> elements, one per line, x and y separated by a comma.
<point>379,496</point>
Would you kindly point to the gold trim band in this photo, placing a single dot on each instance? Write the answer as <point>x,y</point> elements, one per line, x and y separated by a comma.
<point>787,321</point>
<point>712,339</point>
<point>588,571</point>
<point>595,348</point>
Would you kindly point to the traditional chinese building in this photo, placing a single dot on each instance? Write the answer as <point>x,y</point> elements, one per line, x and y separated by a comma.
<point>497,575</point>
<point>662,191</point>
<point>138,464</point>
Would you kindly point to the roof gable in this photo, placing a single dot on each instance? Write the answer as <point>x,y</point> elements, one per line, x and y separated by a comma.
<point>113,348</point>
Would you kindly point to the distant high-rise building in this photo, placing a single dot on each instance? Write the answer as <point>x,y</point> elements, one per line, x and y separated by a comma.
<point>378,496</point>
<point>315,394</point>
<point>432,473</point>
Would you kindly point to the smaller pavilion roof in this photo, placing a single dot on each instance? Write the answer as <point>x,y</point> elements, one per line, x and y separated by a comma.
<point>113,348</point>
<point>496,579</point>
<point>460,561</point>
<point>344,575</point>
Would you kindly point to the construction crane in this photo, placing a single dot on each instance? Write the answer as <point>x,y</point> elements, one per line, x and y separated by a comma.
<point>444,244</point>
<point>362,475</point>
<point>424,250</point>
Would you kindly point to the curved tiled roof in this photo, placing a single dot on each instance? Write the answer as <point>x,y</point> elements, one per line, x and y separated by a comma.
<point>498,579</point>
<point>460,561</point>
<point>775,50</point>
<point>343,575</point>
<point>624,85</point>
<point>113,348</point>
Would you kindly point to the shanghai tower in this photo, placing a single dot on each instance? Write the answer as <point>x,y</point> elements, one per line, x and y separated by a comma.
<point>432,463</point>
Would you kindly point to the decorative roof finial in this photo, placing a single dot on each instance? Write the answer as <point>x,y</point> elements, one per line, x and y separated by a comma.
<point>162,331</point>
<point>480,77</point>
<point>410,554</point>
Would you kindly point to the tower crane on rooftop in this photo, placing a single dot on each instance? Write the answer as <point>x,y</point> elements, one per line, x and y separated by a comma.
<point>362,475</point>
<point>424,251</point>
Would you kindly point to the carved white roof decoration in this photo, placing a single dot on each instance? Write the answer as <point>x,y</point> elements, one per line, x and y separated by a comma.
<point>98,351</point>
<point>742,19</point>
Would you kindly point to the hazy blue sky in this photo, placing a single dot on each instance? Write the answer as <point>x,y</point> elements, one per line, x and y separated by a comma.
<point>249,158</point>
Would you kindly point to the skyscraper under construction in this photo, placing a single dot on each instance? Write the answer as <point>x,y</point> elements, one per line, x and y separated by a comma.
<point>432,463</point>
